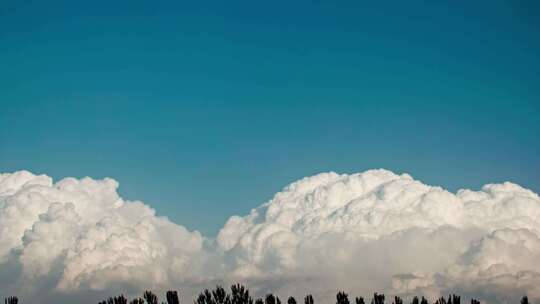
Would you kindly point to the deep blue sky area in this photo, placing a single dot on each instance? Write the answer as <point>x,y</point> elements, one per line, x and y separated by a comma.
<point>205,109</point>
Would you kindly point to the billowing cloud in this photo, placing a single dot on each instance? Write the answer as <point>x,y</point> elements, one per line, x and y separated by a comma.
<point>372,231</point>
<point>80,235</point>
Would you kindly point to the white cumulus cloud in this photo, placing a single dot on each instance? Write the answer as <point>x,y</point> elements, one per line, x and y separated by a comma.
<point>80,235</point>
<point>366,232</point>
<point>380,231</point>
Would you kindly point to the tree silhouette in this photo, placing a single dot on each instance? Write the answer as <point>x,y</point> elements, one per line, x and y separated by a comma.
<point>240,295</point>
<point>377,299</point>
<point>116,300</point>
<point>270,299</point>
<point>220,296</point>
<point>172,297</point>
<point>150,297</point>
<point>342,298</point>
<point>204,297</point>
<point>11,300</point>
<point>454,299</point>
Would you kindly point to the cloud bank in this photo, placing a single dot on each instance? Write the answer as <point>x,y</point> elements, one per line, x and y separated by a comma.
<point>366,232</point>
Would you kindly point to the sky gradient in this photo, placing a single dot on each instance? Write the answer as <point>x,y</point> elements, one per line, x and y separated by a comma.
<point>216,106</point>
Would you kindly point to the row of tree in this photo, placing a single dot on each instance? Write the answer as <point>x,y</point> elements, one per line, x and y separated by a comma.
<point>240,295</point>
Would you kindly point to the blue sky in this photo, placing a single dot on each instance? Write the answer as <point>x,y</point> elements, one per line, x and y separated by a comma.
<point>218,105</point>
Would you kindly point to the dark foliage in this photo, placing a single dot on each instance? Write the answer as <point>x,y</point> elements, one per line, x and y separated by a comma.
<point>377,299</point>
<point>150,297</point>
<point>116,300</point>
<point>454,299</point>
<point>11,300</point>
<point>205,297</point>
<point>220,296</point>
<point>342,298</point>
<point>271,299</point>
<point>240,295</point>
<point>119,300</point>
<point>172,297</point>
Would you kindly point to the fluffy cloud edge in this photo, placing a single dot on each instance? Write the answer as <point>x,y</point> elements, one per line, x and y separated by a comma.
<point>374,230</point>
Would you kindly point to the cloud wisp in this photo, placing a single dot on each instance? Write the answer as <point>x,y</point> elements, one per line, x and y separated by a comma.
<point>365,232</point>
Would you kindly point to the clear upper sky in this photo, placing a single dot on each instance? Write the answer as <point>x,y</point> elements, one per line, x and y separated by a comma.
<point>218,105</point>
